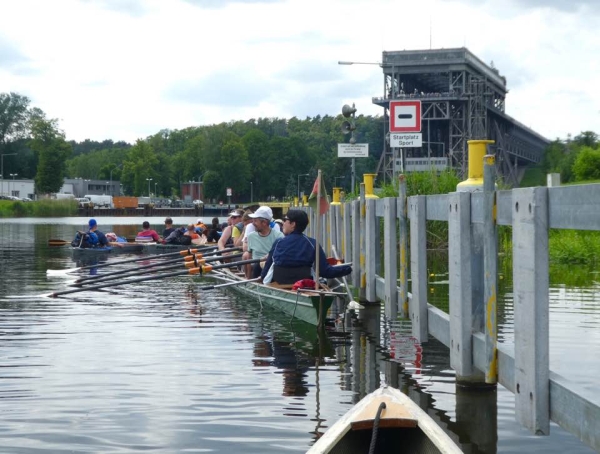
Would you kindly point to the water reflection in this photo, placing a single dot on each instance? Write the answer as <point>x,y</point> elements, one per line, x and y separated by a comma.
<point>163,366</point>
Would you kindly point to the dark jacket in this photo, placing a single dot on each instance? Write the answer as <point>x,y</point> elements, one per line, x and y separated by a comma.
<point>102,240</point>
<point>297,250</point>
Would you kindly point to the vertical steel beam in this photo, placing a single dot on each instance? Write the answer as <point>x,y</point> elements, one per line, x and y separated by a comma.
<point>531,301</point>
<point>390,257</point>
<point>418,266</point>
<point>460,293</point>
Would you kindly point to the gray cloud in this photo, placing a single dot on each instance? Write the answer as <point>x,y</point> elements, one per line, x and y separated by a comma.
<point>13,60</point>
<point>223,89</point>
<point>134,8</point>
<point>215,4</point>
<point>309,72</point>
<point>560,5</point>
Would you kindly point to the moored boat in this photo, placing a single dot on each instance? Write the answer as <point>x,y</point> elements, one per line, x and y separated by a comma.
<point>308,305</point>
<point>159,248</point>
<point>111,248</point>
<point>385,421</point>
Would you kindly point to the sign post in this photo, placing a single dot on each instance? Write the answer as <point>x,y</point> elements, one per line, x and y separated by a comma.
<point>229,193</point>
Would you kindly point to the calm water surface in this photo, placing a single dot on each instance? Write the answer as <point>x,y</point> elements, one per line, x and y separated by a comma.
<point>162,366</point>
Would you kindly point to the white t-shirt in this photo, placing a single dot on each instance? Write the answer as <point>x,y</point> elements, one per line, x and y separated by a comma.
<point>261,245</point>
<point>250,228</point>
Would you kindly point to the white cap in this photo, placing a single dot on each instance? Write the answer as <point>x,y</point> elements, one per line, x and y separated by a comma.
<point>262,212</point>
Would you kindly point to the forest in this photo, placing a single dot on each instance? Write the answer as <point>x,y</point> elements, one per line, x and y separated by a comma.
<point>265,155</point>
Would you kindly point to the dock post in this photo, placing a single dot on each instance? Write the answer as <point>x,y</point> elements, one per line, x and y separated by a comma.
<point>490,268</point>
<point>356,243</point>
<point>531,305</point>
<point>362,287</point>
<point>403,246</point>
<point>460,277</point>
<point>371,235</point>
<point>475,320</point>
<point>390,257</point>
<point>418,266</point>
<point>346,244</point>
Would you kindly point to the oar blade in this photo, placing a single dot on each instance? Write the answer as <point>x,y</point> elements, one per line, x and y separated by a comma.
<point>58,242</point>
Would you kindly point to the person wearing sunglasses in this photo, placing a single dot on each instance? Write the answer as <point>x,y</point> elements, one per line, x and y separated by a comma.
<point>292,258</point>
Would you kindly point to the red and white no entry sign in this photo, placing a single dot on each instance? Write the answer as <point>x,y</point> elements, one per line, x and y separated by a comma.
<point>405,116</point>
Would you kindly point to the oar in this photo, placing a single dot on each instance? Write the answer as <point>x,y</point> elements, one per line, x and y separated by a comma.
<point>228,284</point>
<point>193,260</point>
<point>92,284</point>
<point>145,257</point>
<point>191,271</point>
<point>58,242</point>
<point>352,304</point>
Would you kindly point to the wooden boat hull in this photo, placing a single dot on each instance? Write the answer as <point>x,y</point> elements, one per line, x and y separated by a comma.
<point>310,308</point>
<point>403,428</point>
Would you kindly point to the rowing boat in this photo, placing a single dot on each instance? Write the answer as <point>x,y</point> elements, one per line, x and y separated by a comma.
<point>111,248</point>
<point>400,427</point>
<point>308,305</point>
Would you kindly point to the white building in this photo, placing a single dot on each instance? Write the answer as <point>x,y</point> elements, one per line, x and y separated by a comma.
<point>17,188</point>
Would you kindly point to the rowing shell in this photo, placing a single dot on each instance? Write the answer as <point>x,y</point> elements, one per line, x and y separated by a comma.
<point>306,305</point>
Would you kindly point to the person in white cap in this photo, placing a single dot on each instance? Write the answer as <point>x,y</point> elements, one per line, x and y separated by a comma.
<point>261,240</point>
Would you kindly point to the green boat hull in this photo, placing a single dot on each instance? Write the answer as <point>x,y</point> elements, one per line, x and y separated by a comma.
<point>311,309</point>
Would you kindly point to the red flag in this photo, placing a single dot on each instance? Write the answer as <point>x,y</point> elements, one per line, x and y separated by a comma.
<point>323,202</point>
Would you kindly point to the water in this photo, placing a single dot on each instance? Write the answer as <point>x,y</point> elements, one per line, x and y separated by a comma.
<point>163,367</point>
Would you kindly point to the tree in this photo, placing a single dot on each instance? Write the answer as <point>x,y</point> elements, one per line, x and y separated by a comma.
<point>212,185</point>
<point>141,163</point>
<point>14,114</point>
<point>234,166</point>
<point>53,151</point>
<point>587,165</point>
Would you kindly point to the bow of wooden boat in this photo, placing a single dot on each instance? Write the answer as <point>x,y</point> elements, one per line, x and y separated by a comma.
<point>399,426</point>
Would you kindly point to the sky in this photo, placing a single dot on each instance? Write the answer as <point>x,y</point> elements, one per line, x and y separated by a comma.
<point>126,69</point>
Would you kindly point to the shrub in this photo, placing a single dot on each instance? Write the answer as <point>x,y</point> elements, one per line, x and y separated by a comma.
<point>587,165</point>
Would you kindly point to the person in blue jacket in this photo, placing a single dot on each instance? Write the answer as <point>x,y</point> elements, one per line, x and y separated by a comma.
<point>292,257</point>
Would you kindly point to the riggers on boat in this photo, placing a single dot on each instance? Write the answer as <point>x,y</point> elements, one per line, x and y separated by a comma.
<point>382,422</point>
<point>308,305</point>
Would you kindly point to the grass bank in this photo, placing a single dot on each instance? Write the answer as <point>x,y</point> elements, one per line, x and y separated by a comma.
<point>38,208</point>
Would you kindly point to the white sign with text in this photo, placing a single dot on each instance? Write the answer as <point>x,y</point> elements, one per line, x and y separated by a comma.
<point>407,140</point>
<point>357,150</point>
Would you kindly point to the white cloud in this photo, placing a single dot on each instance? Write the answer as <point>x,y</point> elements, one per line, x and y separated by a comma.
<point>125,70</point>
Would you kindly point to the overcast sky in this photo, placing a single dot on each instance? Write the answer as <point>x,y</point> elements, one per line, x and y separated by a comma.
<point>125,69</point>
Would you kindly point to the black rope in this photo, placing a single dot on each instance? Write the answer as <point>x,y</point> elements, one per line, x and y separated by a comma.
<point>376,428</point>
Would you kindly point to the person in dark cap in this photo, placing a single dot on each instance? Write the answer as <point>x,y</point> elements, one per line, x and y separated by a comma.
<point>90,239</point>
<point>102,240</point>
<point>292,258</point>
<point>168,228</point>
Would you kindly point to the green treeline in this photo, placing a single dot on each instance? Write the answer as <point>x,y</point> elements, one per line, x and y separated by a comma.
<point>577,160</point>
<point>269,152</point>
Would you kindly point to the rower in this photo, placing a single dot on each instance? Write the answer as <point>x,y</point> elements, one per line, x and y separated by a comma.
<point>292,257</point>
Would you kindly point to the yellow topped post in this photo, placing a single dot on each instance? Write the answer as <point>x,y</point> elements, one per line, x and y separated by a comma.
<point>304,200</point>
<point>336,196</point>
<point>368,179</point>
<point>477,150</point>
